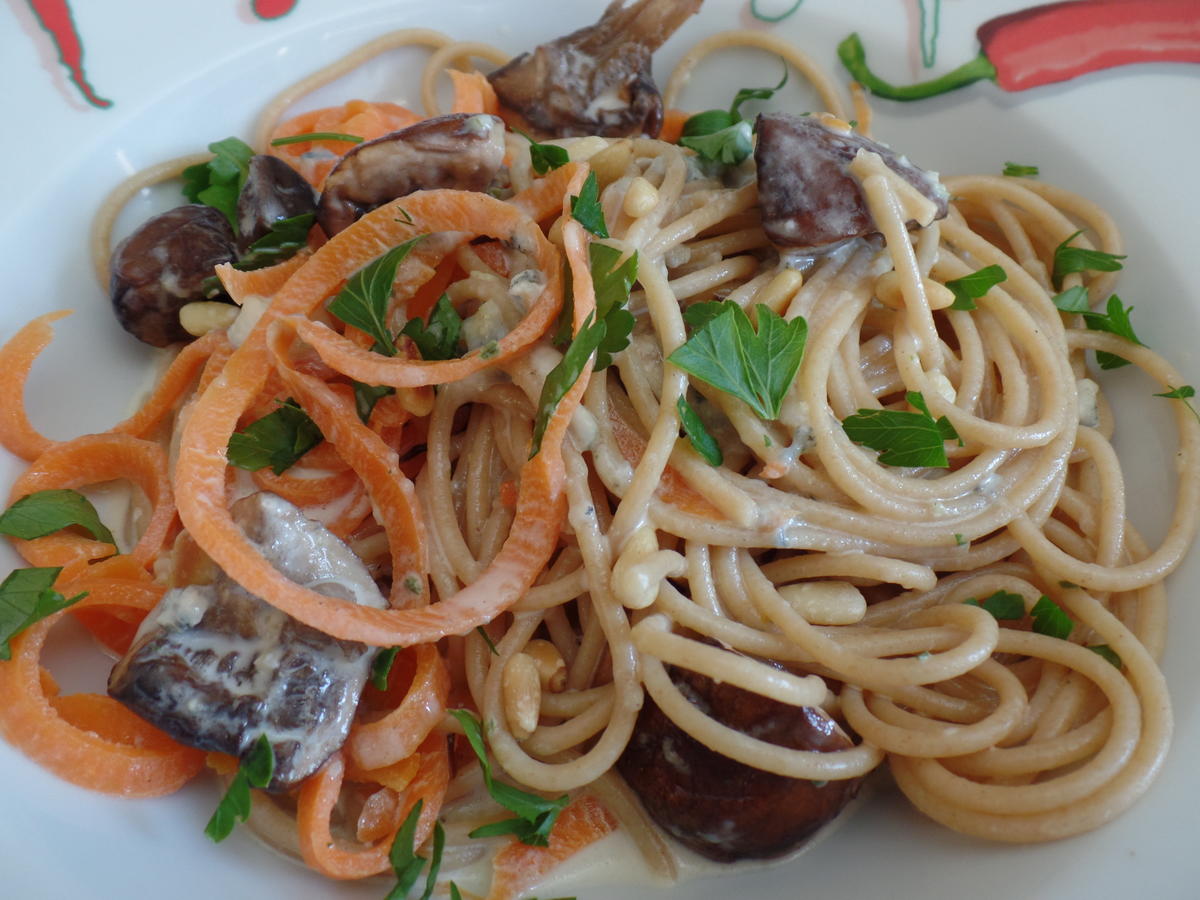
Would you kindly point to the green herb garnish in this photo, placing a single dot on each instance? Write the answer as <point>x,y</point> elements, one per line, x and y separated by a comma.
<point>535,816</point>
<point>487,639</point>
<point>1019,170</point>
<point>904,438</point>
<point>545,157</point>
<point>702,442</point>
<point>366,396</point>
<point>1002,605</point>
<point>364,301</point>
<point>277,440</point>
<point>218,182</point>
<point>1050,620</point>
<point>283,241</point>
<point>612,284</point>
<point>256,770</point>
<point>1073,300</point>
<point>727,352</point>
<point>1108,653</point>
<point>28,596</point>
<point>381,666</point>
<point>1068,259</point>
<point>1183,393</point>
<point>560,379</point>
<point>45,512</point>
<point>317,136</point>
<point>585,209</point>
<point>724,136</point>
<point>971,287</point>
<point>1115,320</point>
<point>437,338</point>
<point>406,864</point>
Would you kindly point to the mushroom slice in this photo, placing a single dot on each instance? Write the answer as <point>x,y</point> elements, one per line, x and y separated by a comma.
<point>719,807</point>
<point>809,200</point>
<point>460,151</point>
<point>215,666</point>
<point>595,80</point>
<point>162,267</point>
<point>273,191</point>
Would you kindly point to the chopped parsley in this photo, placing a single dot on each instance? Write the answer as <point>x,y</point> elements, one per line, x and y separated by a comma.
<point>487,639</point>
<point>585,208</point>
<point>535,816</point>
<point>560,379</point>
<point>702,442</point>
<point>218,182</point>
<point>727,352</point>
<point>545,157</point>
<point>904,438</point>
<point>381,666</point>
<point>283,241</point>
<point>1068,259</point>
<point>406,864</point>
<point>724,136</point>
<point>45,512</point>
<point>317,136</point>
<point>1002,605</point>
<point>1107,653</point>
<point>1183,393</point>
<point>437,338</point>
<point>971,287</point>
<point>1020,170</point>
<point>26,597</point>
<point>1050,620</point>
<point>277,440</point>
<point>256,770</point>
<point>364,301</point>
<point>612,284</point>
<point>1115,320</point>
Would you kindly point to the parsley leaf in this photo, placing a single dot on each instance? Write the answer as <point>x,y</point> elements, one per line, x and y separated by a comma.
<point>612,284</point>
<point>1115,320</point>
<point>971,287</point>
<point>702,442</point>
<point>560,379</point>
<point>545,157</point>
<point>277,440</point>
<point>317,136</point>
<point>44,512</point>
<point>535,815</point>
<point>723,135</point>
<point>730,146</point>
<point>366,396</point>
<point>487,639</point>
<point>364,301</point>
<point>28,596</point>
<point>1050,620</point>
<point>1073,300</point>
<point>403,857</point>
<point>905,438</point>
<point>455,893</point>
<point>286,237</point>
<point>1002,605</point>
<point>1068,259</point>
<point>218,182</point>
<point>585,209</point>
<point>1182,393</point>
<point>439,338</point>
<point>1019,170</point>
<point>256,770</point>
<point>381,666</point>
<point>1108,653</point>
<point>756,367</point>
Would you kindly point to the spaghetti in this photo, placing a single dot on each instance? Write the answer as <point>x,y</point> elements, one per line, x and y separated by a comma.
<point>801,569</point>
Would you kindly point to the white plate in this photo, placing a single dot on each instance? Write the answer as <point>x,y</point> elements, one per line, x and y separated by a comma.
<point>190,71</point>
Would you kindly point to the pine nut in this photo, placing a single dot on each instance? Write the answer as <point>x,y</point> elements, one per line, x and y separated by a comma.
<point>610,163</point>
<point>522,692</point>
<point>552,669</point>
<point>202,316</point>
<point>826,602</point>
<point>640,198</point>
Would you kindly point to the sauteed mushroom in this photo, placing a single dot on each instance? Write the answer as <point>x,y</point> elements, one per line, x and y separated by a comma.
<point>459,151</point>
<point>809,201</point>
<point>215,666</point>
<point>720,808</point>
<point>595,80</point>
<point>163,266</point>
<point>273,190</point>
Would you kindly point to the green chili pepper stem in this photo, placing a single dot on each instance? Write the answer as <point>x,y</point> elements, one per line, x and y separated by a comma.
<point>854,58</point>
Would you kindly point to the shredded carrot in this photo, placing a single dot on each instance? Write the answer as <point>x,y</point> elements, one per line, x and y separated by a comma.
<point>473,93</point>
<point>673,488</point>
<point>360,118</point>
<point>319,794</point>
<point>672,127</point>
<point>519,867</point>
<point>263,282</point>
<point>92,741</point>
<point>16,359</point>
<point>373,745</point>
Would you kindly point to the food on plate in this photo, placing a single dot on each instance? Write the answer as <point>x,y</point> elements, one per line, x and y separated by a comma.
<point>530,476</point>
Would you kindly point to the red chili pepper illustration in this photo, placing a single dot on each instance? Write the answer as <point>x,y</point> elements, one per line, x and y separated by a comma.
<point>272,9</point>
<point>1055,42</point>
<point>55,17</point>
